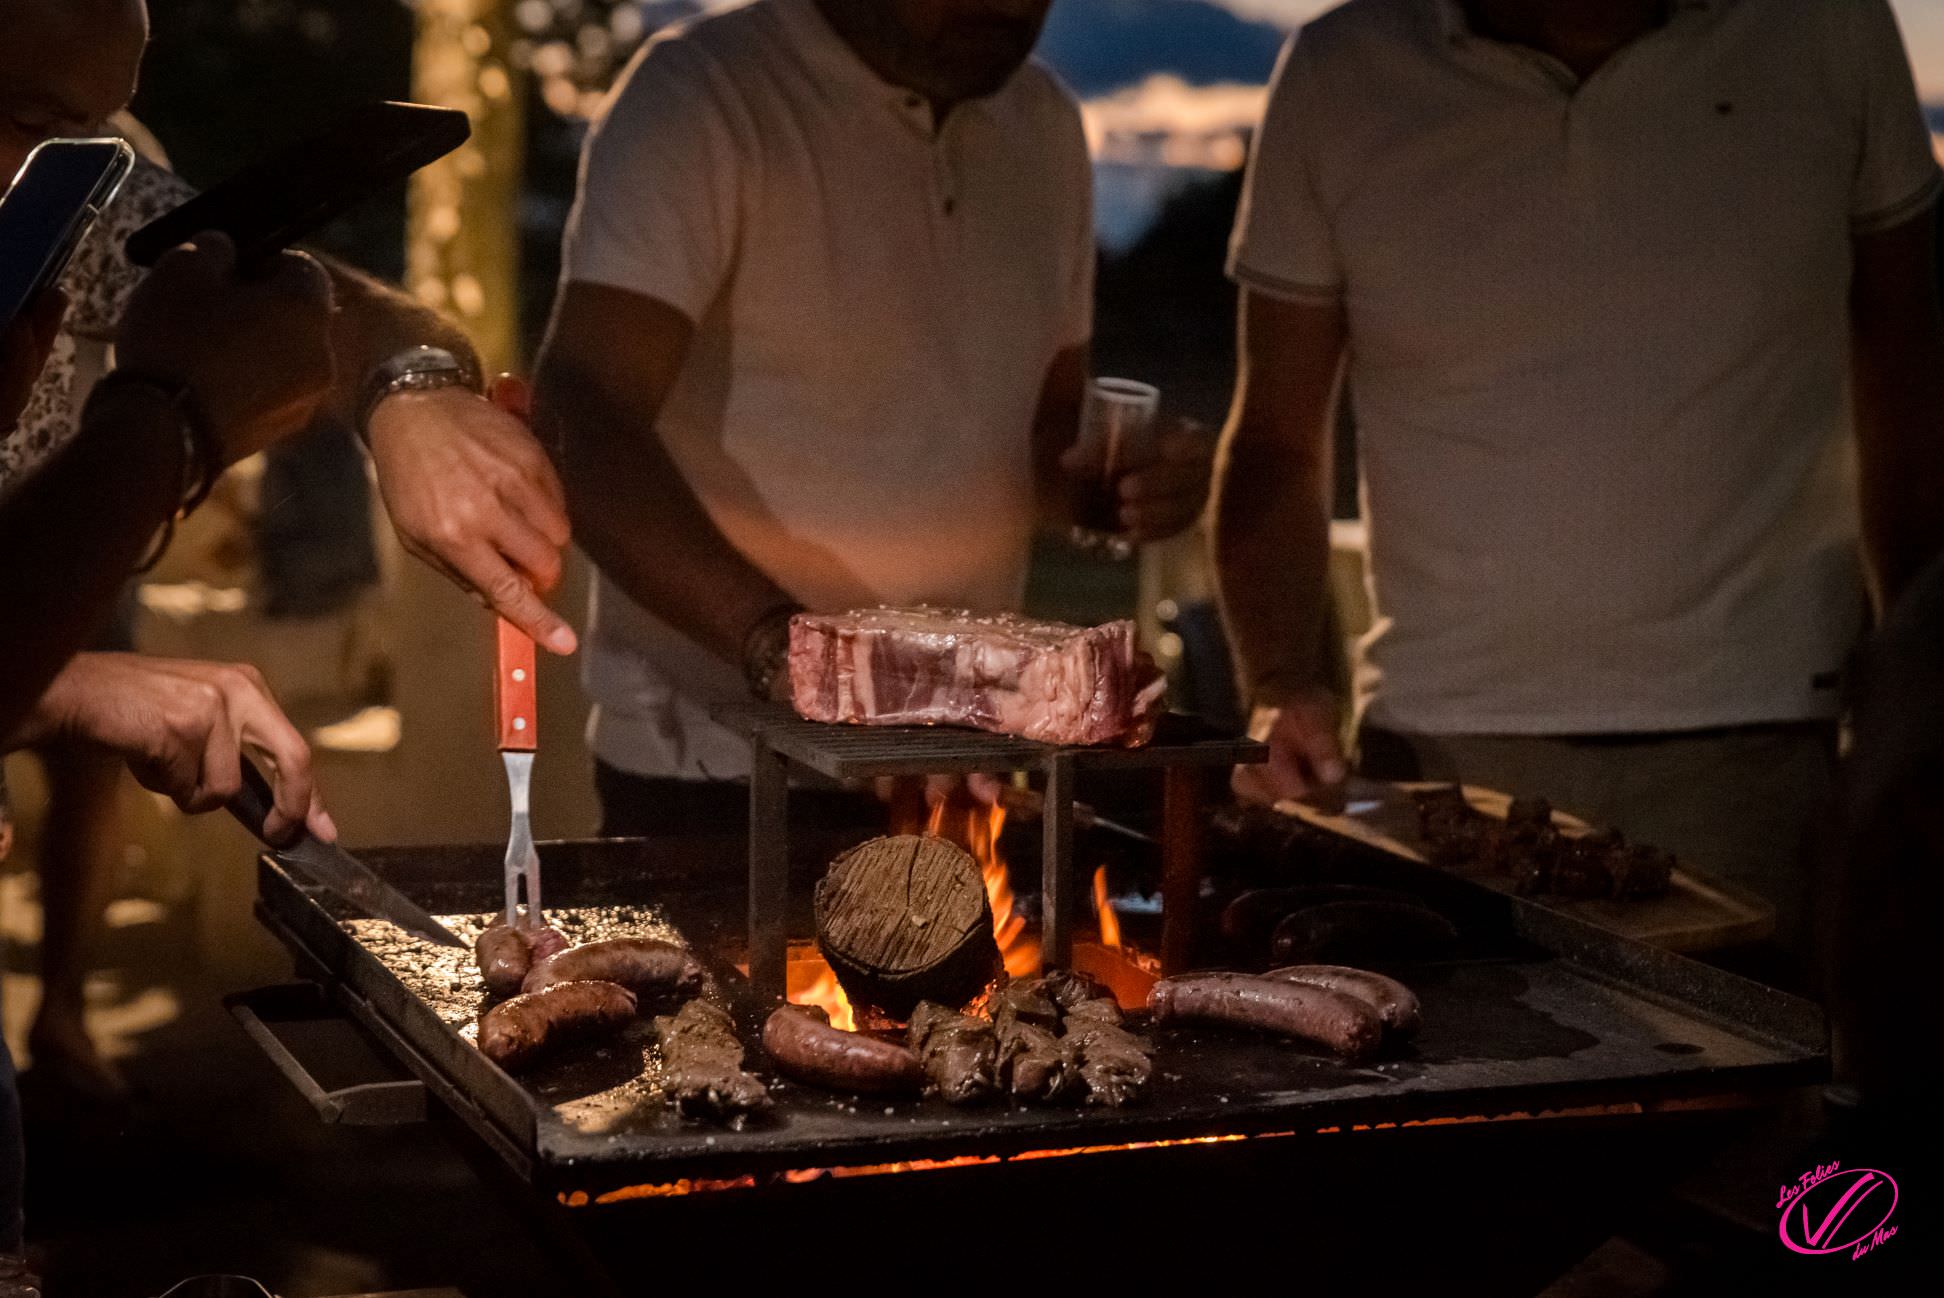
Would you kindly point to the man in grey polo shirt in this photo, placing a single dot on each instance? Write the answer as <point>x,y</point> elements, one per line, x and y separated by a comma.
<point>1636,307</point>
<point>822,341</point>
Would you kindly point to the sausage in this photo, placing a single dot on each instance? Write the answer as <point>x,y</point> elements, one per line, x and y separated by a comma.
<point>506,953</point>
<point>1361,931</point>
<point>810,1050</point>
<point>515,1033</point>
<point>1333,1019</point>
<point>1396,1004</point>
<point>644,965</point>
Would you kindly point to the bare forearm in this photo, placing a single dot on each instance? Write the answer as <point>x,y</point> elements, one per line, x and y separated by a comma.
<point>1270,535</point>
<point>640,522</point>
<point>1899,403</point>
<point>74,530</point>
<point>375,322</point>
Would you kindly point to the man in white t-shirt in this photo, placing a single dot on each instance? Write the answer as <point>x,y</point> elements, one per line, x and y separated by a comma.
<point>1635,301</point>
<point>822,342</point>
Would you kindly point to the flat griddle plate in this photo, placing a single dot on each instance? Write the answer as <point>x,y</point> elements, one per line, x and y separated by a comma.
<point>1549,1014</point>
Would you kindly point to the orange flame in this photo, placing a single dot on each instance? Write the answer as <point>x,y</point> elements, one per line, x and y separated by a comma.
<point>811,982</point>
<point>1109,921</point>
<point>975,827</point>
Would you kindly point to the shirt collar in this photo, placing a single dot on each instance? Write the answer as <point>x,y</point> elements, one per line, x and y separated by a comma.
<point>833,58</point>
<point>1453,26</point>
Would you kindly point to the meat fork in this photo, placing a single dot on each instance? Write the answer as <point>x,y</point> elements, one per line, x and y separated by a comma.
<point>514,698</point>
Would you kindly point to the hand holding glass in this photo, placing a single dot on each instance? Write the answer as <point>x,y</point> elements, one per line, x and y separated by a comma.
<point>1118,435</point>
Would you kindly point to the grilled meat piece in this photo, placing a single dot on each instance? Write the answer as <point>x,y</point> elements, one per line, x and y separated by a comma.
<point>960,1053</point>
<point>517,1033</point>
<point>1047,681</point>
<point>1026,1001</point>
<point>1453,830</point>
<point>1067,988</point>
<point>1641,871</point>
<point>1114,1063</point>
<point>702,1064</point>
<point>1032,1063</point>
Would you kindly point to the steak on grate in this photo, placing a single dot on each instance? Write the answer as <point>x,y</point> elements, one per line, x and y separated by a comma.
<point>1045,681</point>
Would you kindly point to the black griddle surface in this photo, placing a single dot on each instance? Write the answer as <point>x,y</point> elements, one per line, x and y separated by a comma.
<point>1516,1031</point>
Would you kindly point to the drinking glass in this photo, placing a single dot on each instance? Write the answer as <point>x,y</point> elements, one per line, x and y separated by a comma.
<point>1117,436</point>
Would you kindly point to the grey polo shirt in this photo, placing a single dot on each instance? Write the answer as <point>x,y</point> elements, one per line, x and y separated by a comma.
<point>877,299</point>
<point>1598,348</point>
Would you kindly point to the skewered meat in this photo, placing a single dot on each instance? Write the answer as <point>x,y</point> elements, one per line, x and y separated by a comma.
<point>1332,1019</point>
<point>644,965</point>
<point>516,1033</point>
<point>1362,931</point>
<point>803,1045</point>
<point>702,1062</point>
<point>506,952</point>
<point>960,1054</point>
<point>1047,681</point>
<point>1396,1004</point>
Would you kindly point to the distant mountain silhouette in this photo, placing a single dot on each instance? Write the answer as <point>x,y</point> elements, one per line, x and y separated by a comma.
<point>1100,46</point>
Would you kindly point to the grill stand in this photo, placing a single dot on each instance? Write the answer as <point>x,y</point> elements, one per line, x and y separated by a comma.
<point>778,738</point>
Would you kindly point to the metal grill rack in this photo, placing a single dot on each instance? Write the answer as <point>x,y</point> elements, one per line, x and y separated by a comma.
<point>1182,747</point>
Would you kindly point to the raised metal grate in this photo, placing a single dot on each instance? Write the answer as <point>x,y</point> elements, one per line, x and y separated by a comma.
<point>1182,747</point>
<point>863,752</point>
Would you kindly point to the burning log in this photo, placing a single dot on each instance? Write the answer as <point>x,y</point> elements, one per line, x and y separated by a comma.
<point>906,919</point>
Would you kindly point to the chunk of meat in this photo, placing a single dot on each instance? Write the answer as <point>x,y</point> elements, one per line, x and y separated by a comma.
<point>960,1054</point>
<point>702,1064</point>
<point>1047,681</point>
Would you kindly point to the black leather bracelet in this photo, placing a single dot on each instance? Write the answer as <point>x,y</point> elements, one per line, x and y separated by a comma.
<point>766,649</point>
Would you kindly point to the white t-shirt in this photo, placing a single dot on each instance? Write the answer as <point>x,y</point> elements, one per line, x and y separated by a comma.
<point>876,305</point>
<point>1597,348</point>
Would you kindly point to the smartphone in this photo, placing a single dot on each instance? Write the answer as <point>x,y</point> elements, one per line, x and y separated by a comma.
<point>272,203</point>
<point>48,209</point>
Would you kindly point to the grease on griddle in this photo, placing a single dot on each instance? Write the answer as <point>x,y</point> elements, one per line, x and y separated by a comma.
<point>448,979</point>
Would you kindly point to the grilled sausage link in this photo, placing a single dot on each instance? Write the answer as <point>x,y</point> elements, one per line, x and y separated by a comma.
<point>808,1049</point>
<point>506,953</point>
<point>516,1033</point>
<point>1396,1004</point>
<point>1330,1018</point>
<point>646,966</point>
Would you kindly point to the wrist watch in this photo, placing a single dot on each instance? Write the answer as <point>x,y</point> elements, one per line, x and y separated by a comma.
<point>416,369</point>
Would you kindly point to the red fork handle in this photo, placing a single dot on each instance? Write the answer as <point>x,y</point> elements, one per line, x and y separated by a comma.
<point>514,696</point>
